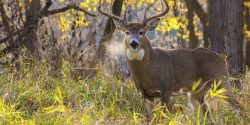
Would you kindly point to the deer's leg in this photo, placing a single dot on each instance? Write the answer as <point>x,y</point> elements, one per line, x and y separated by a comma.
<point>204,107</point>
<point>165,99</point>
<point>200,98</point>
<point>148,104</point>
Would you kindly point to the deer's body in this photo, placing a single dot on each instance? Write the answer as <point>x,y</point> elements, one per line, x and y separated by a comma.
<point>157,72</point>
<point>166,71</point>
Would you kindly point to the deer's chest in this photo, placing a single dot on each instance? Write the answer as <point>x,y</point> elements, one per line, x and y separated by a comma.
<point>145,77</point>
<point>147,84</point>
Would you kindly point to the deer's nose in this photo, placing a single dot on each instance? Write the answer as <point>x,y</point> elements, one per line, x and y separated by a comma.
<point>134,44</point>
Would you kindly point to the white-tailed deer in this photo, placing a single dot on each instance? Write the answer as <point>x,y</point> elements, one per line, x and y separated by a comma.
<point>157,72</point>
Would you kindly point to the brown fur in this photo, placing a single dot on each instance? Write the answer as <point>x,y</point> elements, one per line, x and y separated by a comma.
<point>160,72</point>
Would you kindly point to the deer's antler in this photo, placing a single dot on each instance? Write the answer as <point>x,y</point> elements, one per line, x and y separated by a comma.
<point>146,20</point>
<point>123,21</point>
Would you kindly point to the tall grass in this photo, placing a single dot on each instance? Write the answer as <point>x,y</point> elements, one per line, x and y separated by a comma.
<point>31,96</point>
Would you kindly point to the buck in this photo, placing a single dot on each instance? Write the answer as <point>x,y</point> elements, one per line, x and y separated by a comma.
<point>157,72</point>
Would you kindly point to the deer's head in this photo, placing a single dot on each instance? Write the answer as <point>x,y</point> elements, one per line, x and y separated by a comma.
<point>135,39</point>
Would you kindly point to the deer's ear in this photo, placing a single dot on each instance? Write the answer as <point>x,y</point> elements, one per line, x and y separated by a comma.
<point>152,24</point>
<point>118,24</point>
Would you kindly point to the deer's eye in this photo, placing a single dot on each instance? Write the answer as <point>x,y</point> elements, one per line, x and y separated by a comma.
<point>141,33</point>
<point>127,32</point>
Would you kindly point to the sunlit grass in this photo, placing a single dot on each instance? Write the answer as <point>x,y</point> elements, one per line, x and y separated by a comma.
<point>32,96</point>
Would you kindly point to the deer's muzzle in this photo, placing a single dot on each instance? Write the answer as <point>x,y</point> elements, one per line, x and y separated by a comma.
<point>134,43</point>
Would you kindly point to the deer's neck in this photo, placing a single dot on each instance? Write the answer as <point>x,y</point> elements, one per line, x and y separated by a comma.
<point>141,64</point>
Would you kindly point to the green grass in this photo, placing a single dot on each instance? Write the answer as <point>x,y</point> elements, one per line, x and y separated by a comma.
<point>32,96</point>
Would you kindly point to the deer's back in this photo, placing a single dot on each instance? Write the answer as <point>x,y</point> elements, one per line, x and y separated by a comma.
<point>185,66</point>
<point>211,64</point>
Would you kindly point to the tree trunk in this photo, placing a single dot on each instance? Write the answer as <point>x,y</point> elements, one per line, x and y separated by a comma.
<point>9,10</point>
<point>109,30</point>
<point>20,31</point>
<point>215,29</point>
<point>226,31</point>
<point>31,40</point>
<point>233,35</point>
<point>204,20</point>
<point>6,25</point>
<point>248,53</point>
<point>247,22</point>
<point>193,40</point>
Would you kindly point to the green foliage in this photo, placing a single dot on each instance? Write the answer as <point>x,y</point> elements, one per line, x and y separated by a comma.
<point>31,96</point>
<point>169,22</point>
<point>217,92</point>
<point>45,100</point>
<point>196,85</point>
<point>60,107</point>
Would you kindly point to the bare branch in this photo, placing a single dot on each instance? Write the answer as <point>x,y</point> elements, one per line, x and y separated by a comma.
<point>45,12</point>
<point>47,4</point>
<point>200,12</point>
<point>68,7</point>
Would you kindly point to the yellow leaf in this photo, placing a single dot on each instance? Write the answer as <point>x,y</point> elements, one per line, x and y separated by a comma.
<point>196,85</point>
<point>59,108</point>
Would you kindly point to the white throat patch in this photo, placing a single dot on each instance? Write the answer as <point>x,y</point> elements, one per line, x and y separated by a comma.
<point>135,54</point>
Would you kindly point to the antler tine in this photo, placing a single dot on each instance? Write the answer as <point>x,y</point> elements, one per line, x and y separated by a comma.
<point>145,20</point>
<point>109,15</point>
<point>145,14</point>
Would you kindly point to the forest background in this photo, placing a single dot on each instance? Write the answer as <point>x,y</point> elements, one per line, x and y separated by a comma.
<point>62,62</point>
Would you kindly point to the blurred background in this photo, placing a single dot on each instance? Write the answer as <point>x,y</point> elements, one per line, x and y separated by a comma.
<point>72,32</point>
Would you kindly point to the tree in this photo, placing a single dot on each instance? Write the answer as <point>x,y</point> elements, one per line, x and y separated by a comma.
<point>247,23</point>
<point>24,30</point>
<point>215,25</point>
<point>204,20</point>
<point>226,32</point>
<point>109,29</point>
<point>194,6</point>
<point>190,15</point>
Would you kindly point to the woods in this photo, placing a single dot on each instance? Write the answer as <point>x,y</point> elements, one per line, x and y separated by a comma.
<point>226,19</point>
<point>218,20</point>
<point>73,58</point>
